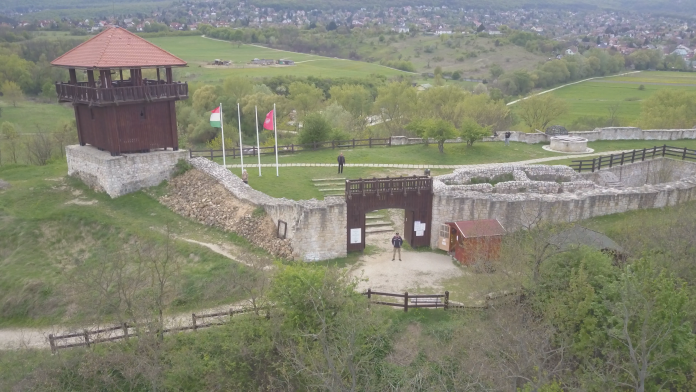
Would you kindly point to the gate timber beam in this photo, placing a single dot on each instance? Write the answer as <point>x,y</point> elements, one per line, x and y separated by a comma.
<point>412,194</point>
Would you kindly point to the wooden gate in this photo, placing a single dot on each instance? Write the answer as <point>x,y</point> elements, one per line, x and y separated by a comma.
<point>412,194</point>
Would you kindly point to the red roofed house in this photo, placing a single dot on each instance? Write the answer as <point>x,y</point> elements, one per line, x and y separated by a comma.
<point>126,123</point>
<point>472,241</point>
<point>116,109</point>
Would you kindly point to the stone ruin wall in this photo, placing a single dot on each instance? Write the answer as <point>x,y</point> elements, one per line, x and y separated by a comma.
<point>611,133</point>
<point>515,211</point>
<point>316,229</point>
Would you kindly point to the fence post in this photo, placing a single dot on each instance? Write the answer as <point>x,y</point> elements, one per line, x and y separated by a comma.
<point>684,154</point>
<point>190,154</point>
<point>211,154</point>
<point>333,144</point>
<point>85,334</point>
<point>231,312</point>
<point>643,159</point>
<point>370,139</point>
<point>622,158</point>
<point>52,342</point>
<point>369,293</point>
<point>599,163</point>
<point>193,318</point>
<point>633,156</point>
<point>406,301</point>
<point>353,142</point>
<point>594,162</point>
<point>389,141</point>
<point>446,300</point>
<point>234,155</point>
<point>664,150</point>
<point>125,330</point>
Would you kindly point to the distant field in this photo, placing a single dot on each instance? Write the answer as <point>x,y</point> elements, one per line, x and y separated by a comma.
<point>594,97</point>
<point>509,57</point>
<point>198,51</point>
<point>31,116</point>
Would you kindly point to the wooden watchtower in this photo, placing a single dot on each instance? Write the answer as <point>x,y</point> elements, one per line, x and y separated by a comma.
<point>117,114</point>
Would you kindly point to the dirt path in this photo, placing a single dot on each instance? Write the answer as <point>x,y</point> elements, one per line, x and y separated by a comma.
<point>417,271</point>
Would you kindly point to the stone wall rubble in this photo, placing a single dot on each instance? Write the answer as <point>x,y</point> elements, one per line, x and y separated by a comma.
<point>198,196</point>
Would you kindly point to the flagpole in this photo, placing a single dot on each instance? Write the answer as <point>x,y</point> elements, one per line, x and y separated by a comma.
<point>222,129</point>
<point>241,146</point>
<point>258,146</point>
<point>275,128</point>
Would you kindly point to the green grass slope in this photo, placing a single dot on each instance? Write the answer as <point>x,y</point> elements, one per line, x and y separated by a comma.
<point>53,228</point>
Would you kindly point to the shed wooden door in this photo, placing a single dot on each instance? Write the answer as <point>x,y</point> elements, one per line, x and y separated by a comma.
<point>443,241</point>
<point>408,226</point>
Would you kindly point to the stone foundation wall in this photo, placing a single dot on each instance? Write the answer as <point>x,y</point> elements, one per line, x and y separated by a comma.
<point>515,211</point>
<point>316,229</point>
<point>652,172</point>
<point>612,133</point>
<point>121,174</point>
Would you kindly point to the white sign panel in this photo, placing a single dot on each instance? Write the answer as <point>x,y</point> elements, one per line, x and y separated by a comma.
<point>419,226</point>
<point>420,233</point>
<point>355,236</point>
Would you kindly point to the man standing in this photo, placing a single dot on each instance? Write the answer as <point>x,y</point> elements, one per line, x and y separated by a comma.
<point>397,241</point>
<point>507,138</point>
<point>341,162</point>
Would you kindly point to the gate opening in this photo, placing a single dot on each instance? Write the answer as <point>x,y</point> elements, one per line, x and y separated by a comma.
<point>414,195</point>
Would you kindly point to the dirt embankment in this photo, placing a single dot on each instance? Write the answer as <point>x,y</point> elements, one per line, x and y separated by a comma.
<point>197,196</point>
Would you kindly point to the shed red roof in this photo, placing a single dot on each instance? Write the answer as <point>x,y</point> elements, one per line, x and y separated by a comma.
<point>117,48</point>
<point>479,228</point>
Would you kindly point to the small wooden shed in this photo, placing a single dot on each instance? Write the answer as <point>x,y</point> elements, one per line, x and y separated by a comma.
<point>472,241</point>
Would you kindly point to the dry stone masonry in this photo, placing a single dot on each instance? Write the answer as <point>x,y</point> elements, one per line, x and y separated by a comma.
<point>316,230</point>
<point>561,195</point>
<point>119,175</point>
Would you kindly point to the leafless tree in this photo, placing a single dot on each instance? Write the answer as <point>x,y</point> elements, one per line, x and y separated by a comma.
<point>39,148</point>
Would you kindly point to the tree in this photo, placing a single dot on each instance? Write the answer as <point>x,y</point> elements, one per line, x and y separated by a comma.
<point>669,109</point>
<point>440,130</point>
<point>396,103</point>
<point>471,131</point>
<point>315,129</point>
<point>496,71</point>
<point>48,91</point>
<point>355,99</point>
<point>64,134</point>
<point>539,111</point>
<point>331,26</point>
<point>653,343</point>
<point>305,97</point>
<point>205,98</point>
<point>10,135</point>
<point>12,92</point>
<point>39,148</point>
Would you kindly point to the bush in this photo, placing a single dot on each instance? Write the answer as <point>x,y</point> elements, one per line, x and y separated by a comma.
<point>316,129</point>
<point>182,166</point>
<point>641,87</point>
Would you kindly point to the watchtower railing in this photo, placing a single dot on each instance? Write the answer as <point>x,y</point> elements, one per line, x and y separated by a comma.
<point>82,93</point>
<point>388,185</point>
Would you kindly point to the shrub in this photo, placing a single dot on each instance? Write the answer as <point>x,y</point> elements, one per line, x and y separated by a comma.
<point>181,167</point>
<point>641,87</point>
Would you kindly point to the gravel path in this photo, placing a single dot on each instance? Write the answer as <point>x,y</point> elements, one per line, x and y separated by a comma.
<point>403,166</point>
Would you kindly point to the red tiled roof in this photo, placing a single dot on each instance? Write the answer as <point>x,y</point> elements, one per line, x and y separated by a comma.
<point>480,228</point>
<point>117,48</point>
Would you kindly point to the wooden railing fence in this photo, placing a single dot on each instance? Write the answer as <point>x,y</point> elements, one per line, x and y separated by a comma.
<point>235,152</point>
<point>608,161</point>
<point>411,301</point>
<point>87,338</point>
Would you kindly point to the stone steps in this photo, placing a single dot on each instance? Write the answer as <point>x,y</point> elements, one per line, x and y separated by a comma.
<point>331,189</point>
<point>327,179</point>
<point>329,184</point>
<point>378,223</point>
<point>369,217</point>
<point>383,229</point>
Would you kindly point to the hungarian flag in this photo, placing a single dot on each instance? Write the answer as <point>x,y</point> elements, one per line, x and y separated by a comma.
<point>215,120</point>
<point>268,123</point>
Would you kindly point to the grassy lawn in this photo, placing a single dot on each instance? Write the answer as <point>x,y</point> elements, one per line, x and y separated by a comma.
<point>659,77</point>
<point>46,239</point>
<point>32,116</point>
<point>198,51</point>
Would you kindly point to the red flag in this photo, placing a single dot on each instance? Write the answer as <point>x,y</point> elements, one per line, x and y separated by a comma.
<point>268,123</point>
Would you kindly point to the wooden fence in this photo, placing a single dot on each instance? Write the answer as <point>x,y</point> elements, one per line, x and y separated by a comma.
<point>607,161</point>
<point>86,338</point>
<point>235,152</point>
<point>411,300</point>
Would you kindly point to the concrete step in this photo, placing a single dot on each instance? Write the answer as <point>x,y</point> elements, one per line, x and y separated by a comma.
<point>327,179</point>
<point>384,229</point>
<point>378,223</point>
<point>372,217</point>
<point>329,184</point>
<point>331,189</point>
